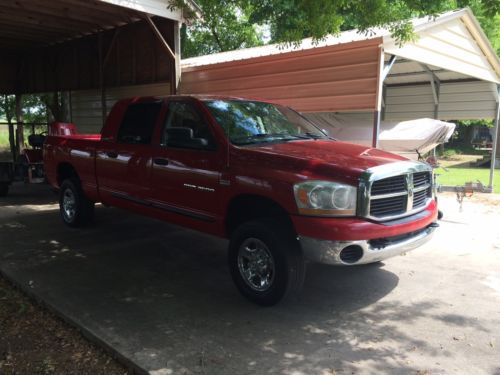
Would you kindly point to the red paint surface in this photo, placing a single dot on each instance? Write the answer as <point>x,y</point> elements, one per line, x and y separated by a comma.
<point>268,171</point>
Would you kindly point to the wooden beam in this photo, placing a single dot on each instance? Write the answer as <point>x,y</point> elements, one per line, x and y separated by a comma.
<point>74,10</point>
<point>159,36</point>
<point>20,125</point>
<point>64,28</point>
<point>20,22</point>
<point>126,15</point>
<point>110,48</point>
<point>49,17</point>
<point>101,80</point>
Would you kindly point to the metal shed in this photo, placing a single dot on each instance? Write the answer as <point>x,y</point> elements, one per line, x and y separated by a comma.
<point>449,72</point>
<point>96,50</point>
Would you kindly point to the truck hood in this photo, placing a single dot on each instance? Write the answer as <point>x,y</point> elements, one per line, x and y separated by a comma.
<point>320,158</point>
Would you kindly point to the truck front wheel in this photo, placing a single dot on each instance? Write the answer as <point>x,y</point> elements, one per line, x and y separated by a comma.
<point>75,208</point>
<point>266,262</point>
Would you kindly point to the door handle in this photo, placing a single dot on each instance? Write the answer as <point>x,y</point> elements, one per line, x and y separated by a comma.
<point>160,161</point>
<point>112,154</point>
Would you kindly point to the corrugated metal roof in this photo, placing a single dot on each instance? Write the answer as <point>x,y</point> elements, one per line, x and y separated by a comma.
<point>484,63</point>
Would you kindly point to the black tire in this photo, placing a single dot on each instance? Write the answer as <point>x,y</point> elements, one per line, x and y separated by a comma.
<point>285,275</point>
<point>4,189</point>
<point>81,211</point>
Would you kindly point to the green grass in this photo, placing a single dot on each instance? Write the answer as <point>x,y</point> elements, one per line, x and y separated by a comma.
<point>459,176</point>
<point>4,136</point>
<point>462,150</point>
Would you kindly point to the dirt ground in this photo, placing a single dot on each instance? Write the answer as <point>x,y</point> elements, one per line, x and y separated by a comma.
<point>34,341</point>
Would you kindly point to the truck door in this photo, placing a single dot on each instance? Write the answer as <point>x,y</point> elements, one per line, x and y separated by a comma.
<point>185,174</point>
<point>123,164</point>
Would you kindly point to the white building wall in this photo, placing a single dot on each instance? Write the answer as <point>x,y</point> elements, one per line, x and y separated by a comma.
<point>457,101</point>
<point>86,109</point>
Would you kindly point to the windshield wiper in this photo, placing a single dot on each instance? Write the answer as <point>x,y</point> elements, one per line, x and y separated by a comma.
<point>266,137</point>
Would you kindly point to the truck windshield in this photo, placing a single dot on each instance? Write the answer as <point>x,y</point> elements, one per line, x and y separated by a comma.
<point>250,122</point>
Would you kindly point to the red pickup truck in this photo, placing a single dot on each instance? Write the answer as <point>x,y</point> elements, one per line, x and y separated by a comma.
<point>257,173</point>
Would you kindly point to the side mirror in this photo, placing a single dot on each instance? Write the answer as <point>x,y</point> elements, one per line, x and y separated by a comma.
<point>183,137</point>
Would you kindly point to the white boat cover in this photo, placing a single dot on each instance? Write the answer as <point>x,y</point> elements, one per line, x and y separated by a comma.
<point>408,138</point>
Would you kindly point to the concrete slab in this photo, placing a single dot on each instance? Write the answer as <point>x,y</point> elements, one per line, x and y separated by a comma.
<point>162,297</point>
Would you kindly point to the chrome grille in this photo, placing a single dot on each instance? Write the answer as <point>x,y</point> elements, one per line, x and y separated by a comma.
<point>421,179</point>
<point>389,206</point>
<point>420,197</point>
<point>394,190</point>
<point>389,185</point>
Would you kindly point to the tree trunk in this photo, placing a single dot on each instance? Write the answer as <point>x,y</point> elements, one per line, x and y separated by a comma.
<point>12,140</point>
<point>20,123</point>
<point>65,107</point>
<point>8,109</point>
<point>468,135</point>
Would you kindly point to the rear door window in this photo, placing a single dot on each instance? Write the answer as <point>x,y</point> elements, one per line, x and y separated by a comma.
<point>139,122</point>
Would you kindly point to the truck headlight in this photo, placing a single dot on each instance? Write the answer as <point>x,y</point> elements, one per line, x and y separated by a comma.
<point>324,198</point>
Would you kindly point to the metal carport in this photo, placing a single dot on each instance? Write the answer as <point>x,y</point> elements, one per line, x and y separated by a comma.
<point>450,72</point>
<point>104,48</point>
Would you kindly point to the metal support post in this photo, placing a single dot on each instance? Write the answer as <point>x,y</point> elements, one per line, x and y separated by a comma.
<point>495,142</point>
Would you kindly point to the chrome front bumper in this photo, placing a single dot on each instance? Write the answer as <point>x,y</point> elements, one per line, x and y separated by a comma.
<point>370,251</point>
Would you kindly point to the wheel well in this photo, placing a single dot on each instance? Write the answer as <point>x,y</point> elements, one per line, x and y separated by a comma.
<point>251,207</point>
<point>65,171</point>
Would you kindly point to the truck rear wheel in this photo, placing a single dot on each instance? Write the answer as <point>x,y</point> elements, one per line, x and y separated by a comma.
<point>4,189</point>
<point>75,208</point>
<point>266,262</point>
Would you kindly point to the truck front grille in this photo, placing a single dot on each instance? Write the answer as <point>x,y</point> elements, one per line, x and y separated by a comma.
<point>389,185</point>
<point>389,206</point>
<point>386,196</point>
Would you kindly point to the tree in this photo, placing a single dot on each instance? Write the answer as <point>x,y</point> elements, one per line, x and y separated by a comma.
<point>488,17</point>
<point>226,24</point>
<point>224,27</point>
<point>8,110</point>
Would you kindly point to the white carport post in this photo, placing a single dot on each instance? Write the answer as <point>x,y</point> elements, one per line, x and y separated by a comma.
<point>495,141</point>
<point>384,71</point>
<point>436,88</point>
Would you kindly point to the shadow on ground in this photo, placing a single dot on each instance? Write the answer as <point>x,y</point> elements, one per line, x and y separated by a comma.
<point>162,296</point>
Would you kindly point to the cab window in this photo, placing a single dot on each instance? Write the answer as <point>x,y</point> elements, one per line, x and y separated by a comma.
<point>186,128</point>
<point>139,122</point>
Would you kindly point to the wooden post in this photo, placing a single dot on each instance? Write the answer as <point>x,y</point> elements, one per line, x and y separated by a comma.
<point>175,75</point>
<point>12,137</point>
<point>20,123</point>
<point>101,80</point>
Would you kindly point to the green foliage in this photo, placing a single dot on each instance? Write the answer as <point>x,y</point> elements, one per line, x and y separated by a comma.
<point>460,149</point>
<point>7,107</point>
<point>480,122</point>
<point>487,13</point>
<point>459,176</point>
<point>234,24</point>
<point>34,109</point>
<point>224,27</point>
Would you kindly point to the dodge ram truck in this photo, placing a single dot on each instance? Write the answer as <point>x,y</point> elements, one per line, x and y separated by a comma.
<point>257,173</point>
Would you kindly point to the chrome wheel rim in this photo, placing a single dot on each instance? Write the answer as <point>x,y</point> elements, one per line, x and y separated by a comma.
<point>69,204</point>
<point>256,264</point>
